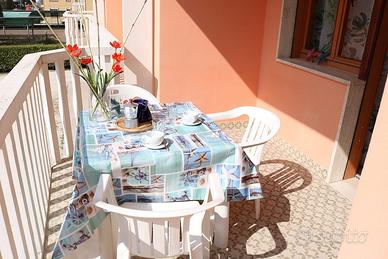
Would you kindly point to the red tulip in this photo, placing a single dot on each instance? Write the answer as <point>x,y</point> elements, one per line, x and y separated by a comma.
<point>117,67</point>
<point>86,60</point>
<point>76,53</point>
<point>115,44</point>
<point>118,57</point>
<point>71,48</point>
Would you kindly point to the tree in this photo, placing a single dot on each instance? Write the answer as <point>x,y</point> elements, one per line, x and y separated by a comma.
<point>1,14</point>
<point>6,4</point>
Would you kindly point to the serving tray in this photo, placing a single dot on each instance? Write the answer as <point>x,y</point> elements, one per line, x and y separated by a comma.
<point>140,128</point>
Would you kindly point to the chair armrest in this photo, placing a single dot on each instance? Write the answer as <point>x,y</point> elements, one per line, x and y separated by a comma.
<point>104,199</point>
<point>230,114</point>
<point>131,213</point>
<point>256,143</point>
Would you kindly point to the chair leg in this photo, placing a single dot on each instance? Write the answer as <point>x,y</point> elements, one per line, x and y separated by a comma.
<point>122,251</point>
<point>196,252</point>
<point>221,225</point>
<point>257,208</point>
<point>122,240</point>
<point>200,236</point>
<point>105,239</point>
<point>207,235</point>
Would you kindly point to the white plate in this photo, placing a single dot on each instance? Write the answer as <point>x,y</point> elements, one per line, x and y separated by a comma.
<point>163,145</point>
<point>197,122</point>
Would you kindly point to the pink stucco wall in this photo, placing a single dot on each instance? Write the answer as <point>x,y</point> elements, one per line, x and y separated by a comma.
<point>221,54</point>
<point>113,13</point>
<point>366,232</point>
<point>210,52</point>
<point>309,105</point>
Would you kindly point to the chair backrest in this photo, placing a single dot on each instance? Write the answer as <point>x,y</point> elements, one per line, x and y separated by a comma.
<point>158,229</point>
<point>262,127</point>
<point>129,91</point>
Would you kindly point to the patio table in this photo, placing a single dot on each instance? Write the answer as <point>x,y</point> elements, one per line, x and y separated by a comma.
<point>175,173</point>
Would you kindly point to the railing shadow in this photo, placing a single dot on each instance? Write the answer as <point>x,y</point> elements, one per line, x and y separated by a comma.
<point>60,193</point>
<point>279,178</point>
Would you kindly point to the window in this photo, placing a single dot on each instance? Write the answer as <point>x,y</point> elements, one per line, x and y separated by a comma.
<point>338,29</point>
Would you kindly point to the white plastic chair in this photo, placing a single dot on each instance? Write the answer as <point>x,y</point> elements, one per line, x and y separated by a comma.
<point>262,127</point>
<point>129,91</point>
<point>160,229</point>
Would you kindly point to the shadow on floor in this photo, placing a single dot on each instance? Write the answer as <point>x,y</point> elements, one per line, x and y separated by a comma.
<point>60,195</point>
<point>278,177</point>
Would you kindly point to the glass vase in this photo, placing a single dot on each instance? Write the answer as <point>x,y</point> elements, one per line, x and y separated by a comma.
<point>100,111</point>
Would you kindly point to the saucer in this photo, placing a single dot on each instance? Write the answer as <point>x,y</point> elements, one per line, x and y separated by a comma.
<point>160,146</point>
<point>195,123</point>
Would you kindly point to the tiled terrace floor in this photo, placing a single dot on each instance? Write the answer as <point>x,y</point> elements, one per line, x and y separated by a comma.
<point>301,215</point>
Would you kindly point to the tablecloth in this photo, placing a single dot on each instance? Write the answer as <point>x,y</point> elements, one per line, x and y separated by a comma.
<point>177,172</point>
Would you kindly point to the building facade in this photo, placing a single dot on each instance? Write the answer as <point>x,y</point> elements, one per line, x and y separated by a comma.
<point>63,5</point>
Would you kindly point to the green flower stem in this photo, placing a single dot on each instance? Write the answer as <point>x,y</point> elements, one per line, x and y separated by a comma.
<point>99,102</point>
<point>103,107</point>
<point>75,61</point>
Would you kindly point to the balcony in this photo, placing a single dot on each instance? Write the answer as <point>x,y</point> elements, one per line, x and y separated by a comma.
<point>302,216</point>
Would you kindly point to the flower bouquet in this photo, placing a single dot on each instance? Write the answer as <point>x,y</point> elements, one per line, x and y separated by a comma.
<point>96,78</point>
<point>91,72</point>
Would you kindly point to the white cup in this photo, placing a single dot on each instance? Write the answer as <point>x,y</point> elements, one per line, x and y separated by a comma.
<point>155,138</point>
<point>190,117</point>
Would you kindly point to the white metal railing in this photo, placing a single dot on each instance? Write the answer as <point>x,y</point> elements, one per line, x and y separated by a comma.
<point>78,6</point>
<point>81,29</point>
<point>77,26</point>
<point>30,145</point>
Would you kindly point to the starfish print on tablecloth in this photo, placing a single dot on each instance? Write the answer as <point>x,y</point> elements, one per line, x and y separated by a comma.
<point>190,154</point>
<point>201,158</point>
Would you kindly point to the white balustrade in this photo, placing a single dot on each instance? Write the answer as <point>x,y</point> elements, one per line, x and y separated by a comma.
<point>77,26</point>
<point>30,144</point>
<point>81,29</point>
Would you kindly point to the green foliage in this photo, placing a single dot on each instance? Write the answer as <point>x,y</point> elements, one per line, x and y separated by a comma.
<point>10,55</point>
<point>7,4</point>
<point>98,80</point>
<point>115,106</point>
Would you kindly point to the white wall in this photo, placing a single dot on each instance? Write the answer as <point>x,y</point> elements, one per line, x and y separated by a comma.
<point>139,47</point>
<point>101,11</point>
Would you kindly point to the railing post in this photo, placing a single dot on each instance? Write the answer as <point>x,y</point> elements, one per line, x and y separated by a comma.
<point>11,203</point>
<point>52,137</point>
<point>82,31</point>
<point>67,33</point>
<point>76,93</point>
<point>76,31</point>
<point>20,191</point>
<point>71,31</point>
<point>64,107</point>
<point>7,248</point>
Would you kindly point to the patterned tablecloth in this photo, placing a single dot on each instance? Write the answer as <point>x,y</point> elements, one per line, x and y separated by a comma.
<point>175,173</point>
